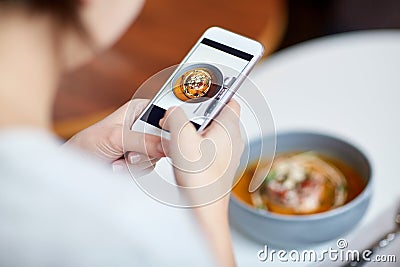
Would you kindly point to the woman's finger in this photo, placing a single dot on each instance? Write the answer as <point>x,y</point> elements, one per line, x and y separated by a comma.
<point>175,121</point>
<point>141,143</point>
<point>137,158</point>
<point>229,117</point>
<point>184,138</point>
<point>133,109</point>
<point>119,166</point>
<point>142,168</point>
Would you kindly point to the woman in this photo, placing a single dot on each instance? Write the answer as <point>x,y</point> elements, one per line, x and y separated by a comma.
<point>59,208</point>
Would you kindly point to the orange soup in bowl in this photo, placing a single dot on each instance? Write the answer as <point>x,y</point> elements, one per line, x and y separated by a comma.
<point>300,183</point>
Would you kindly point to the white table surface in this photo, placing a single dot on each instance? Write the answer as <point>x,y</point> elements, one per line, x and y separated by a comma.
<point>347,85</point>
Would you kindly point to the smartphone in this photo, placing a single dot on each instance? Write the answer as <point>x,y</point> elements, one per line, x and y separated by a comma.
<point>205,80</point>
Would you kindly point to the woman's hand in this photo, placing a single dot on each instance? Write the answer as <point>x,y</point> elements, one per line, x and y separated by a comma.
<point>107,139</point>
<point>203,159</point>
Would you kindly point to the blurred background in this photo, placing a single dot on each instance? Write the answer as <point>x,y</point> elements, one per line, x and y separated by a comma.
<point>166,30</point>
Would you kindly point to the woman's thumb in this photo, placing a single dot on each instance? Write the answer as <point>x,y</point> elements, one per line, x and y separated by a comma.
<point>176,122</point>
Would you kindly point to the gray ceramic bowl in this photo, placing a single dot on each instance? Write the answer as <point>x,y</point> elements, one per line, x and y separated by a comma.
<point>296,231</point>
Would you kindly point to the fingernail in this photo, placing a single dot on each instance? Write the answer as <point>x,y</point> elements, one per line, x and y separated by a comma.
<point>117,167</point>
<point>134,158</point>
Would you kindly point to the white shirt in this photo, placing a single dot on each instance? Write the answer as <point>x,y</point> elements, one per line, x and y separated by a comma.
<point>60,209</point>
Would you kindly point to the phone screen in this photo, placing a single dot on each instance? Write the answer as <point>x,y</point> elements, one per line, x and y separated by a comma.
<point>204,78</point>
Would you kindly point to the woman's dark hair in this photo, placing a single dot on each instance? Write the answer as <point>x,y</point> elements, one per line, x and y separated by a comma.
<point>65,11</point>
